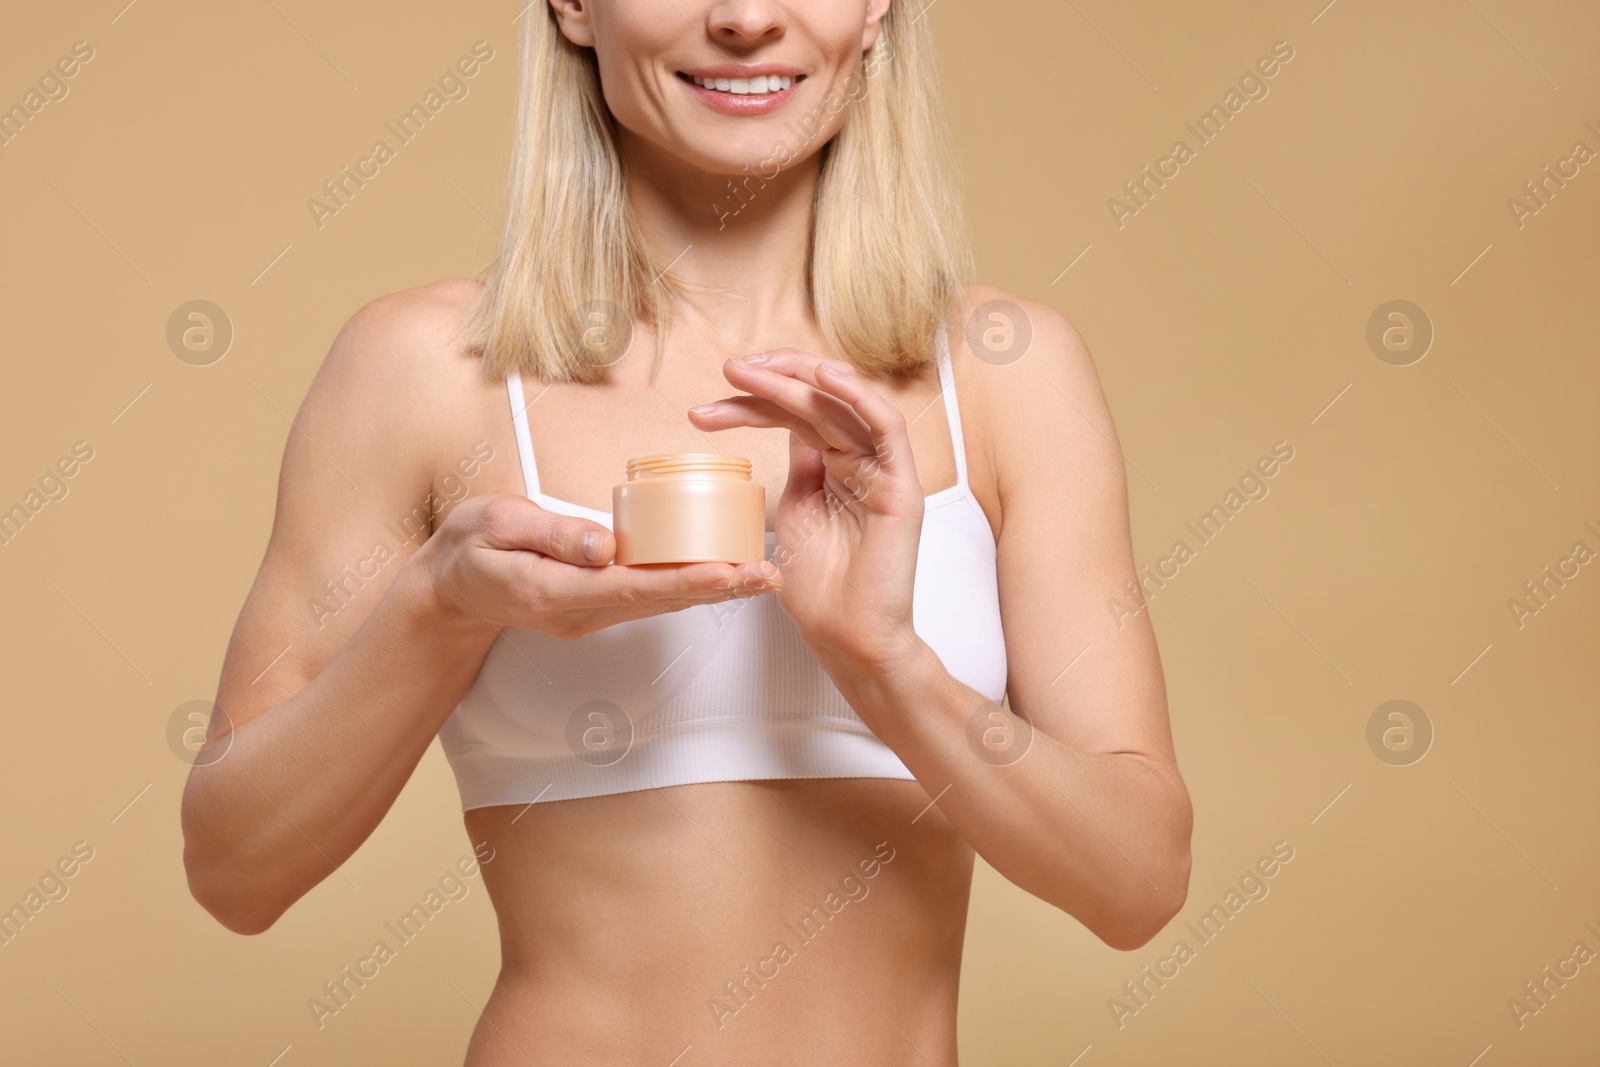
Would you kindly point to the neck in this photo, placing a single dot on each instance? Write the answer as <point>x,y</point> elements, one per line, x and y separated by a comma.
<point>739,254</point>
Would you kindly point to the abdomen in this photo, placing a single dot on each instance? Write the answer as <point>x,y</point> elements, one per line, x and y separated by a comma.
<point>775,921</point>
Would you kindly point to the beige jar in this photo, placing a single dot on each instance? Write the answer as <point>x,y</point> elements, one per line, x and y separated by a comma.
<point>689,507</point>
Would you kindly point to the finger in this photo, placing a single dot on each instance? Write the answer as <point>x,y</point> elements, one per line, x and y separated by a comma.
<point>886,423</point>
<point>835,420</point>
<point>794,362</point>
<point>754,411</point>
<point>791,362</point>
<point>679,584</point>
<point>516,523</point>
<point>806,474</point>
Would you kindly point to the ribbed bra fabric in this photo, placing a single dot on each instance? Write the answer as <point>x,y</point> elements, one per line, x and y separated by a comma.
<point>715,692</point>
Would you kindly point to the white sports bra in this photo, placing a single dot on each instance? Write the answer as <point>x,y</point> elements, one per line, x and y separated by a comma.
<point>715,692</point>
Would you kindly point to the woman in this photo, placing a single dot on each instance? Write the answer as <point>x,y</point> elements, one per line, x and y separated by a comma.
<point>731,809</point>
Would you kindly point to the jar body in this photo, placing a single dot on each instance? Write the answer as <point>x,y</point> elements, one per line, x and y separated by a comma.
<point>689,508</point>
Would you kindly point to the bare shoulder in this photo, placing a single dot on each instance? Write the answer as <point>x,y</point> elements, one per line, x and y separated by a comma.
<point>410,335</point>
<point>1040,410</point>
<point>399,364</point>
<point>396,392</point>
<point>1012,344</point>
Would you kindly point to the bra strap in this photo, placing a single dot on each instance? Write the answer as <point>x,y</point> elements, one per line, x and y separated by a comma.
<point>519,421</point>
<point>952,410</point>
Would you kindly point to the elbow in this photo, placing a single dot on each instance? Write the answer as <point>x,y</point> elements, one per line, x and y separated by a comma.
<point>223,878</point>
<point>1138,926</point>
<point>228,898</point>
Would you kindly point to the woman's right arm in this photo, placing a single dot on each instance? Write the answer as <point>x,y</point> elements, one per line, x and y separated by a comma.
<point>325,711</point>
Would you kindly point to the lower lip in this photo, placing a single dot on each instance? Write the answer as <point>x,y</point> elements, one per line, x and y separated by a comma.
<point>741,104</point>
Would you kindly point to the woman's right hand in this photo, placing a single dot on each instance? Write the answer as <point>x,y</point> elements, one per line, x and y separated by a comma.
<point>501,561</point>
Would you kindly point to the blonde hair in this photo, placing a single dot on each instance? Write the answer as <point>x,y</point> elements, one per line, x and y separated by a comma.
<point>889,249</point>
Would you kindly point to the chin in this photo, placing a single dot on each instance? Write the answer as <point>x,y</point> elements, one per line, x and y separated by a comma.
<point>759,147</point>
<point>753,155</point>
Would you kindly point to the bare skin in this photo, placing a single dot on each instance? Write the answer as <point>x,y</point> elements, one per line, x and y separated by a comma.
<point>622,917</point>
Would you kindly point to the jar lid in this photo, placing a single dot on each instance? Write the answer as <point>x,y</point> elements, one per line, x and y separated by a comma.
<point>687,463</point>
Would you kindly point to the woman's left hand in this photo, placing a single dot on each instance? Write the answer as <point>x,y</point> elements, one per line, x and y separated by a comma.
<point>850,516</point>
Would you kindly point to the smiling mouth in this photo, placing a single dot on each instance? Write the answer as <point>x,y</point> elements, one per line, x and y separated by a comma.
<point>761,85</point>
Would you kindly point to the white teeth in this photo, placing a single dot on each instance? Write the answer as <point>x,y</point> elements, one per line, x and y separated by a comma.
<point>758,86</point>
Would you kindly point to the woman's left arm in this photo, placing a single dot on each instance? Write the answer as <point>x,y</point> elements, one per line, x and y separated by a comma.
<point>1078,800</point>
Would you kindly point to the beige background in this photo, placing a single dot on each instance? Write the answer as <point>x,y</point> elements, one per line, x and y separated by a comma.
<point>1228,314</point>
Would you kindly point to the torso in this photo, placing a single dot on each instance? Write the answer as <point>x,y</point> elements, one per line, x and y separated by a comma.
<point>622,917</point>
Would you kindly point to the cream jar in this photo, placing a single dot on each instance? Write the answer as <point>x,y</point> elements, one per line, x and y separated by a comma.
<point>689,507</point>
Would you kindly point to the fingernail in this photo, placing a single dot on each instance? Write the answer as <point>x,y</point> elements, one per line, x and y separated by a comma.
<point>764,570</point>
<point>591,545</point>
<point>703,409</point>
<point>759,357</point>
